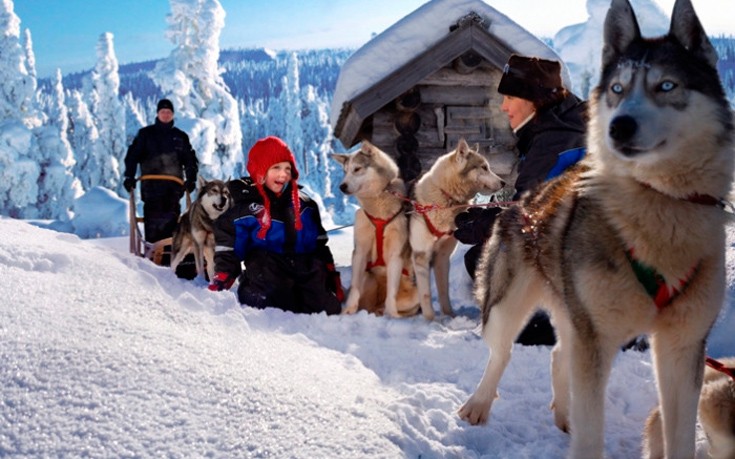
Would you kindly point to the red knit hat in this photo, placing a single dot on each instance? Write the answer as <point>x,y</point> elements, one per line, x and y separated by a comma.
<point>265,153</point>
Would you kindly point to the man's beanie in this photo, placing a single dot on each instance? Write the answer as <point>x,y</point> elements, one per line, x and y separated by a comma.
<point>164,103</point>
<point>530,78</point>
<point>265,153</point>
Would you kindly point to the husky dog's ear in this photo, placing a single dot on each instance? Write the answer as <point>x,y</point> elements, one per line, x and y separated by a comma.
<point>201,181</point>
<point>687,29</point>
<point>340,158</point>
<point>462,149</point>
<point>367,148</point>
<point>621,29</point>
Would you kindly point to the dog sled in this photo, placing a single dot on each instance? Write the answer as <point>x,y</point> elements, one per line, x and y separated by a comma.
<point>159,252</point>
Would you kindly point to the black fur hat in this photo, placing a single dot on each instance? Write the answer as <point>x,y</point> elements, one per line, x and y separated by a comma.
<point>164,103</point>
<point>531,78</point>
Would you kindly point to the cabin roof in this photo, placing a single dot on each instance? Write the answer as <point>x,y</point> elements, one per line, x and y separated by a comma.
<point>417,46</point>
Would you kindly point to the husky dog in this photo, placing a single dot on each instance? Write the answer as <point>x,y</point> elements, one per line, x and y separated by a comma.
<point>195,232</point>
<point>630,242</point>
<point>439,195</point>
<point>382,275</point>
<point>716,414</point>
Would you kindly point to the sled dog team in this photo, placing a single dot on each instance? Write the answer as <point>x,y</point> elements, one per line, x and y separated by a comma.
<point>629,241</point>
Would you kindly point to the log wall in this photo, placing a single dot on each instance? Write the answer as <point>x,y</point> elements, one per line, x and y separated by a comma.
<point>427,121</point>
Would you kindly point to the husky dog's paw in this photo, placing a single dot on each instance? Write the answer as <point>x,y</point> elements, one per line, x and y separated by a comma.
<point>351,307</point>
<point>561,418</point>
<point>475,411</point>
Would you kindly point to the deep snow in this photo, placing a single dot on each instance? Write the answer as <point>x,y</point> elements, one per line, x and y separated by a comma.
<point>107,355</point>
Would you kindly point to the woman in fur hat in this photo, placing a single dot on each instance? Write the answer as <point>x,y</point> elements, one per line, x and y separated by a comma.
<point>549,123</point>
<point>275,230</point>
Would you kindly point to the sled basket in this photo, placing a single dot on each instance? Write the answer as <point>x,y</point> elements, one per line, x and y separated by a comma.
<point>158,252</point>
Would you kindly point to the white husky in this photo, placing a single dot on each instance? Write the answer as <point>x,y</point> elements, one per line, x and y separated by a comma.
<point>440,194</point>
<point>382,276</point>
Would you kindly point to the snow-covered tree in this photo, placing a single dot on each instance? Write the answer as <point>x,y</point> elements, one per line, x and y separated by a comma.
<point>83,136</point>
<point>291,101</point>
<point>18,116</point>
<point>29,54</point>
<point>108,112</point>
<point>191,78</point>
<point>57,187</point>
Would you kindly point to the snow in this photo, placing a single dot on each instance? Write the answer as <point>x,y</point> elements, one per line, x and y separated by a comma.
<point>417,32</point>
<point>108,355</point>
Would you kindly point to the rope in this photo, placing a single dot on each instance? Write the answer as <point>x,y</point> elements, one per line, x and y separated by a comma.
<point>424,208</point>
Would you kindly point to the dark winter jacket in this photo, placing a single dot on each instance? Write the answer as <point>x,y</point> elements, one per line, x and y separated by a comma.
<point>163,149</point>
<point>286,269</point>
<point>550,133</point>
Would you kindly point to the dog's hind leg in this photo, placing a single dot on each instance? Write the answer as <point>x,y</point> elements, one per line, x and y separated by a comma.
<point>560,369</point>
<point>505,317</point>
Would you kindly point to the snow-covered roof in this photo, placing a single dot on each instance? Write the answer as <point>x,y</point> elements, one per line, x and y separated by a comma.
<point>419,31</point>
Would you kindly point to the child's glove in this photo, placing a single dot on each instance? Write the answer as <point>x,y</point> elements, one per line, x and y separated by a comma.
<point>190,185</point>
<point>334,282</point>
<point>221,281</point>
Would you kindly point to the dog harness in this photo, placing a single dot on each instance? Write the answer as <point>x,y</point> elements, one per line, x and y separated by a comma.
<point>379,225</point>
<point>424,210</point>
<point>719,366</point>
<point>655,284</point>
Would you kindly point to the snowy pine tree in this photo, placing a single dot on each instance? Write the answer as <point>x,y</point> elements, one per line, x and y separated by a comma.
<point>57,186</point>
<point>291,101</point>
<point>109,114</point>
<point>191,78</point>
<point>83,136</point>
<point>19,170</point>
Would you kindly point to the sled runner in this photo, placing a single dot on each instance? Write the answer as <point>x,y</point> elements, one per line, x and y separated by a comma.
<point>159,252</point>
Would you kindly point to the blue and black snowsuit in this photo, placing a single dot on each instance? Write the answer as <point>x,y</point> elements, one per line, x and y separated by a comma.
<point>288,268</point>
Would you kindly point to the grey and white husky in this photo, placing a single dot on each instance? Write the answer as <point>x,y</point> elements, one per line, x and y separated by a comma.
<point>630,242</point>
<point>195,232</point>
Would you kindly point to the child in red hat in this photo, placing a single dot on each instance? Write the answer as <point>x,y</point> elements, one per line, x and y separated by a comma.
<point>275,230</point>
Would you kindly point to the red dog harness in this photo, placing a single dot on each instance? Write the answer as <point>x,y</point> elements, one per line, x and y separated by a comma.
<point>719,366</point>
<point>380,225</point>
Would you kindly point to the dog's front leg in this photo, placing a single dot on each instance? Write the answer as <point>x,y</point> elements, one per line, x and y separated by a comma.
<point>394,269</point>
<point>208,253</point>
<point>679,370</point>
<point>422,269</point>
<point>591,362</point>
<point>446,246</point>
<point>359,262</point>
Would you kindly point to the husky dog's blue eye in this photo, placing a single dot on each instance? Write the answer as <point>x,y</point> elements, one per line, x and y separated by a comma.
<point>667,86</point>
<point>617,88</point>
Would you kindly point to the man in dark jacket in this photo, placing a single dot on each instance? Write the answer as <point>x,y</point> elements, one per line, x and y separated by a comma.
<point>161,149</point>
<point>549,123</point>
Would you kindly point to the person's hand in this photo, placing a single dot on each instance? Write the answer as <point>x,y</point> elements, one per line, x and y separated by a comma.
<point>334,282</point>
<point>468,215</point>
<point>129,184</point>
<point>221,281</point>
<point>190,185</point>
<point>475,225</point>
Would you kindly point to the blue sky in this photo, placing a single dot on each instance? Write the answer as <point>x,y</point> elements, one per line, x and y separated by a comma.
<point>65,32</point>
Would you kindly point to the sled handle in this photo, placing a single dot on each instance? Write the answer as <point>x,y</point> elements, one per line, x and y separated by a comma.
<point>171,178</point>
